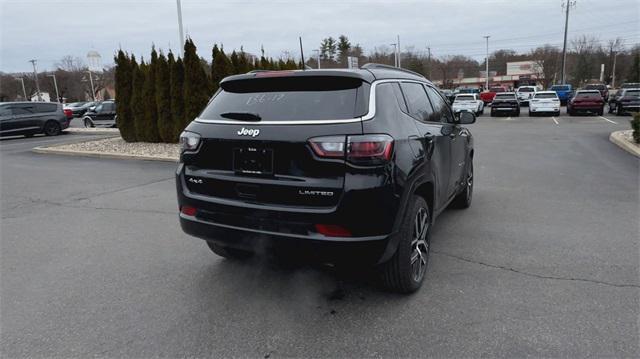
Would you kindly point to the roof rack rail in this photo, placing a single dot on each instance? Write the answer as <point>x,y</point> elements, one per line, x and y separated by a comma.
<point>373,65</point>
<point>256,71</point>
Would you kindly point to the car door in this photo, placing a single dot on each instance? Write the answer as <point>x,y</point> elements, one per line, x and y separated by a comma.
<point>25,119</point>
<point>458,140</point>
<point>433,136</point>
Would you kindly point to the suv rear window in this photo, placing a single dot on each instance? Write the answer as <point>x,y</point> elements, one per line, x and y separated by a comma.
<point>307,98</point>
<point>465,98</point>
<point>594,87</point>
<point>588,95</point>
<point>560,88</point>
<point>525,89</point>
<point>632,93</point>
<point>505,96</point>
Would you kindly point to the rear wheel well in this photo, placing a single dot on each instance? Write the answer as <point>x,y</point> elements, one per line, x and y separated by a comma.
<point>425,191</point>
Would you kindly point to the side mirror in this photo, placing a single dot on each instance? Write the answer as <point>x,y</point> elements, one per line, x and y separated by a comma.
<point>466,118</point>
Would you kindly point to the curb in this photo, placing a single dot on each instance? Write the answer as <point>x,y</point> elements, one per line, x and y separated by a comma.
<point>56,151</point>
<point>619,139</point>
<point>95,132</point>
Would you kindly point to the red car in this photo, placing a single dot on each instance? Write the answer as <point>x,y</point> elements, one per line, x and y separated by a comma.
<point>488,95</point>
<point>586,101</point>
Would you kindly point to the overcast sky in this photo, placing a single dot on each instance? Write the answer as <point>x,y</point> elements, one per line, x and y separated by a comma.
<point>49,30</point>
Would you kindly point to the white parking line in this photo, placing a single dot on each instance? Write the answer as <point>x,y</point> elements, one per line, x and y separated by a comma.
<point>554,120</point>
<point>608,120</point>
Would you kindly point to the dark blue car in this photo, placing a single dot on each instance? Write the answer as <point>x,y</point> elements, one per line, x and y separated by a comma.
<point>564,92</point>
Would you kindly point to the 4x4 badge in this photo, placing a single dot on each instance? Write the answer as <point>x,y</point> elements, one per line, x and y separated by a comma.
<point>253,132</point>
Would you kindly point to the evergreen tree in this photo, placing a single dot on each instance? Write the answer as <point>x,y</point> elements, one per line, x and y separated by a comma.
<point>634,71</point>
<point>124,86</point>
<point>264,63</point>
<point>235,63</point>
<point>344,47</point>
<point>243,62</point>
<point>177,100</point>
<point>163,100</point>
<point>214,82</point>
<point>136,104</point>
<point>196,84</point>
<point>150,130</point>
<point>221,68</point>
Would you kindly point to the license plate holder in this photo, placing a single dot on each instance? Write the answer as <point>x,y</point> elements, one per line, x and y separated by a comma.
<point>253,160</point>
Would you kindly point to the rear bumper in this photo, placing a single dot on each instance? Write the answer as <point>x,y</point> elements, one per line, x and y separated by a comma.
<point>586,108</point>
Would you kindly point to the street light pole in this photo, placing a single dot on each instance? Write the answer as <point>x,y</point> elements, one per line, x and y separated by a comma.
<point>399,53</point>
<point>318,51</point>
<point>613,71</point>
<point>395,54</point>
<point>93,92</point>
<point>35,74</point>
<point>429,60</point>
<point>486,86</point>
<point>24,92</point>
<point>180,26</point>
<point>55,84</point>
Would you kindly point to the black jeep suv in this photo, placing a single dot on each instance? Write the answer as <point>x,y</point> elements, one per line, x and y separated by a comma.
<point>339,166</point>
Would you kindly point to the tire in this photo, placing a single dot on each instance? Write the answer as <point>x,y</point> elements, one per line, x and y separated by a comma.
<point>517,114</point>
<point>88,122</point>
<point>557,114</point>
<point>601,112</point>
<point>619,111</point>
<point>530,113</point>
<point>52,128</point>
<point>493,113</point>
<point>610,110</point>
<point>463,199</point>
<point>405,271</point>
<point>229,253</point>
<point>570,112</point>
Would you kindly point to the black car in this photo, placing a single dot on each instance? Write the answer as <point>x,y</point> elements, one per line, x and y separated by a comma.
<point>79,108</point>
<point>30,118</point>
<point>104,114</point>
<point>505,103</point>
<point>338,166</point>
<point>626,100</point>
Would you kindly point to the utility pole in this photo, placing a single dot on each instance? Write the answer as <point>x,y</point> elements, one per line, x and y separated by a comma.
<point>304,66</point>
<point>395,54</point>
<point>318,51</point>
<point>55,84</point>
<point>399,53</point>
<point>568,5</point>
<point>93,91</point>
<point>429,60</point>
<point>486,62</point>
<point>613,70</point>
<point>180,27</point>
<point>35,74</point>
<point>24,92</point>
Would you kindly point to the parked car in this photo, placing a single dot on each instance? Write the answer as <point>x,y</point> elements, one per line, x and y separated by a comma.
<point>79,108</point>
<point>505,103</point>
<point>488,95</point>
<point>448,94</point>
<point>103,114</point>
<point>544,102</point>
<point>30,118</point>
<point>630,85</point>
<point>586,101</point>
<point>564,92</point>
<point>602,88</point>
<point>468,102</point>
<point>332,166</point>
<point>525,93</point>
<point>627,100</point>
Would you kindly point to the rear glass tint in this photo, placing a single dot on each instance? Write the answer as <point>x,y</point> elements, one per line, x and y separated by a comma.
<point>291,99</point>
<point>594,87</point>
<point>46,107</point>
<point>526,89</point>
<point>505,96</point>
<point>465,98</point>
<point>560,88</point>
<point>546,95</point>
<point>595,95</point>
<point>632,93</point>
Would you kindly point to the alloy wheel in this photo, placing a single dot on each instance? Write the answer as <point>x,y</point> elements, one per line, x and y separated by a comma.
<point>420,244</point>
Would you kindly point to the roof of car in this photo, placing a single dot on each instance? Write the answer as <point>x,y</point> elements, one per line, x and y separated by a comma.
<point>368,73</point>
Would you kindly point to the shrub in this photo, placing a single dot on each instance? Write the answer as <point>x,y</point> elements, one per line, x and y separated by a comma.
<point>124,86</point>
<point>163,100</point>
<point>176,75</point>
<point>196,83</point>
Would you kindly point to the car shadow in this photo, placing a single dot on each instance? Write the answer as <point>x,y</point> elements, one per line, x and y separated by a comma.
<point>36,136</point>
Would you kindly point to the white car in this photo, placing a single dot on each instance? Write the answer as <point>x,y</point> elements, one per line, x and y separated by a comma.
<point>525,93</point>
<point>468,102</point>
<point>544,101</point>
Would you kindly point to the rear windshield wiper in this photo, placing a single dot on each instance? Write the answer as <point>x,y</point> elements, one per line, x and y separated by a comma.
<point>242,116</point>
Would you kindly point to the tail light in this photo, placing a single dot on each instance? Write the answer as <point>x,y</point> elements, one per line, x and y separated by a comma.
<point>68,113</point>
<point>360,149</point>
<point>332,230</point>
<point>188,210</point>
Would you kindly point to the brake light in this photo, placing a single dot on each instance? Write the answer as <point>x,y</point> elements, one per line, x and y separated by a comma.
<point>360,149</point>
<point>369,149</point>
<point>332,230</point>
<point>68,113</point>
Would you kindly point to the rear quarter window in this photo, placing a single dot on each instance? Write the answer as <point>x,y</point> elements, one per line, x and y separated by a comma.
<point>45,107</point>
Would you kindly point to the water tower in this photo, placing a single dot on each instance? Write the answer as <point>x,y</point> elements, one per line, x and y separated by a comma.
<point>94,60</point>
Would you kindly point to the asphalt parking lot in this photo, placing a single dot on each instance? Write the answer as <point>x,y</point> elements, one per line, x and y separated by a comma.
<point>545,263</point>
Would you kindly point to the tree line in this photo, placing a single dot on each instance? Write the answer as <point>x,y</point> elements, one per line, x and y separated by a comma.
<point>156,99</point>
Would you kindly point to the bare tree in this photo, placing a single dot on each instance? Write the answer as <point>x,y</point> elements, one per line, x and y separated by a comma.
<point>71,64</point>
<point>547,58</point>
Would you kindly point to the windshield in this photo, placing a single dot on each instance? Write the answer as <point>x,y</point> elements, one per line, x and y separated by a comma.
<point>289,99</point>
<point>546,95</point>
<point>595,87</point>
